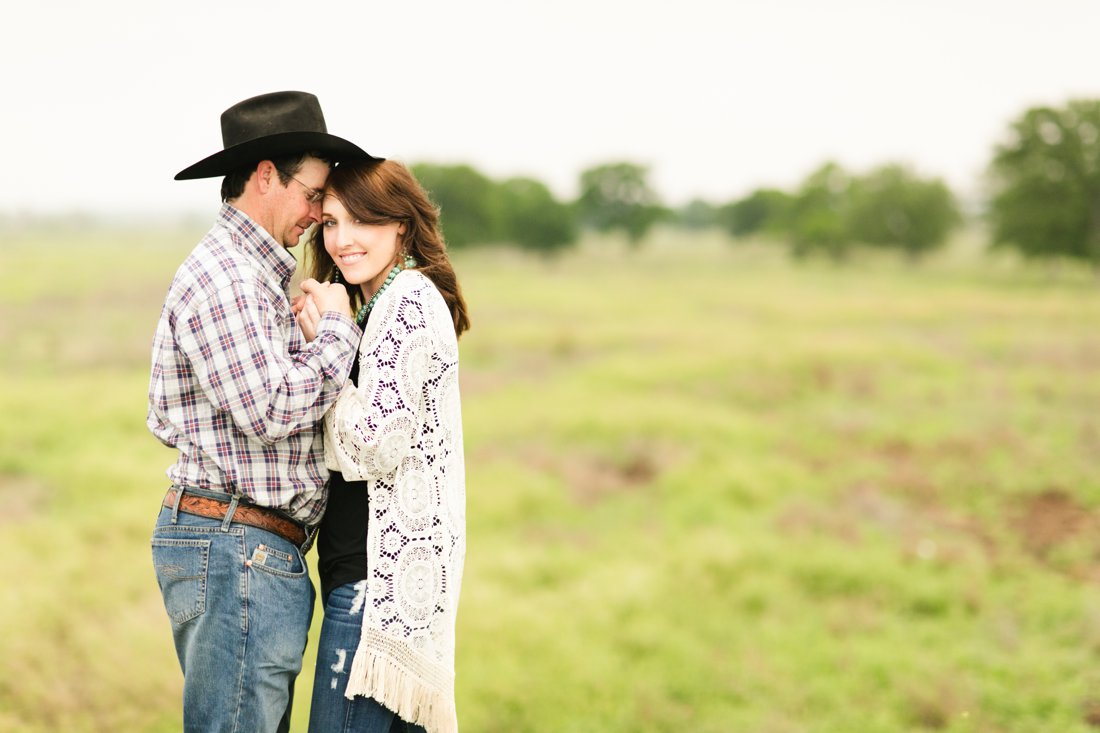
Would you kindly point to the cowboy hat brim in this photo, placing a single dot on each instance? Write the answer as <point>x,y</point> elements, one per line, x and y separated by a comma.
<point>267,147</point>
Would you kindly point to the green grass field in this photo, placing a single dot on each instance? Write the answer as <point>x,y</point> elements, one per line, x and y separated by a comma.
<point>709,490</point>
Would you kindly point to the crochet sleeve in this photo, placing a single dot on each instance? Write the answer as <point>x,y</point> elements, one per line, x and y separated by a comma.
<point>374,426</point>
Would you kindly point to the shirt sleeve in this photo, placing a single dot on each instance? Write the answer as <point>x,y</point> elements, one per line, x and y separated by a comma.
<point>375,425</point>
<point>249,365</point>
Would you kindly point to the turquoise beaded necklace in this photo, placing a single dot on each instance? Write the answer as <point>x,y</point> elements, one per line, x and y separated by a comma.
<point>364,310</point>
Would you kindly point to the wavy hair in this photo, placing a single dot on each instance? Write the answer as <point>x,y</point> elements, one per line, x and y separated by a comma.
<point>383,192</point>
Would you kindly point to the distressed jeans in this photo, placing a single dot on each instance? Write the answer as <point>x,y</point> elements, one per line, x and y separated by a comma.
<point>240,602</point>
<point>330,711</point>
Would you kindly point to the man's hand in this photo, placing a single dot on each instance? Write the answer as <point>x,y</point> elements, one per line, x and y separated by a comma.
<point>327,297</point>
<point>307,315</point>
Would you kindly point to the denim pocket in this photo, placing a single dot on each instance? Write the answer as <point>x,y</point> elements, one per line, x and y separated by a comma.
<point>277,562</point>
<point>181,567</point>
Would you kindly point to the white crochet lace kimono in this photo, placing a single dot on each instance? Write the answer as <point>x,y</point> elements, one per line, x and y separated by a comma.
<point>401,431</point>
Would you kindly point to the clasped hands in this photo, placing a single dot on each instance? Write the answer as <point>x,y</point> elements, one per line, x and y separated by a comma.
<point>317,299</point>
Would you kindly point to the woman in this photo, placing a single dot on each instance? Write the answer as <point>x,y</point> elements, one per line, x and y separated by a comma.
<point>392,541</point>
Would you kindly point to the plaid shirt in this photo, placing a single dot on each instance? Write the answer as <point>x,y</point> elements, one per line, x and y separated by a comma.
<point>235,387</point>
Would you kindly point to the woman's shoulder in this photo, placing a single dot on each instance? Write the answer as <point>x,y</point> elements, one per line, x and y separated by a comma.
<point>413,288</point>
<point>416,286</point>
<point>412,280</point>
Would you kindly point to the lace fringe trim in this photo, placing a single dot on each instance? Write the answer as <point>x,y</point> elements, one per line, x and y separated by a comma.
<point>401,686</point>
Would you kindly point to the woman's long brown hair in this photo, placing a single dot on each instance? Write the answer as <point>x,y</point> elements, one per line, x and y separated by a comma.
<point>381,192</point>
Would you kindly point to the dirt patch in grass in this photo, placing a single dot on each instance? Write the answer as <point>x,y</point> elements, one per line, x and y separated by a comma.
<point>1051,527</point>
<point>855,381</point>
<point>1050,519</point>
<point>935,706</point>
<point>593,476</point>
<point>23,497</point>
<point>1062,355</point>
<point>915,496</point>
<point>94,330</point>
<point>1090,712</point>
<point>499,368</point>
<point>924,530</point>
<point>908,463</point>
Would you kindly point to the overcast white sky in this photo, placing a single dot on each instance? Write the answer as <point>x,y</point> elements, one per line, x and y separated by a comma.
<point>105,102</point>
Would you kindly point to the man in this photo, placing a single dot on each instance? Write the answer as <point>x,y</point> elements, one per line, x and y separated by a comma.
<point>237,390</point>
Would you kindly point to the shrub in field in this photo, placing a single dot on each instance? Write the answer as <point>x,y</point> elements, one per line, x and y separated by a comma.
<point>618,196</point>
<point>892,207</point>
<point>765,210</point>
<point>529,215</point>
<point>697,214</point>
<point>465,197</point>
<point>818,214</point>
<point>1046,183</point>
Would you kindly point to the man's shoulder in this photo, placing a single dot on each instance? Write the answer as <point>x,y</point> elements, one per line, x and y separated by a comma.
<point>216,265</point>
<point>220,255</point>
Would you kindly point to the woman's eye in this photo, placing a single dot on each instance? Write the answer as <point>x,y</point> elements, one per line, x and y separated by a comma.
<point>328,223</point>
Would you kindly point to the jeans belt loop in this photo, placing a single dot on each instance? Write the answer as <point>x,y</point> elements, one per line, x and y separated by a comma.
<point>230,512</point>
<point>176,505</point>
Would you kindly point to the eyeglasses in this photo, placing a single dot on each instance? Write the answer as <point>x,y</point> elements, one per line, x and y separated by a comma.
<point>313,195</point>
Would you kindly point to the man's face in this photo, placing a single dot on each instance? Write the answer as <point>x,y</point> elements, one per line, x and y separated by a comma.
<point>293,211</point>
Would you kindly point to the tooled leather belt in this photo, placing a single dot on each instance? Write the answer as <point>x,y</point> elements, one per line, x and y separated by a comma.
<point>250,514</point>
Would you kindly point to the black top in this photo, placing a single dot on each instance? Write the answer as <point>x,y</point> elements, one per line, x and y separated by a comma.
<point>342,537</point>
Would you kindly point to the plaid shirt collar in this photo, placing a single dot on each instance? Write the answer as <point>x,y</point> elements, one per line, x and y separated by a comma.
<point>256,242</point>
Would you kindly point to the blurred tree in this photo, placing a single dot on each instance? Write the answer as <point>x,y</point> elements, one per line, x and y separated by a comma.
<point>466,200</point>
<point>697,214</point>
<point>765,210</point>
<point>891,206</point>
<point>529,215</point>
<point>617,196</point>
<point>1046,183</point>
<point>818,213</point>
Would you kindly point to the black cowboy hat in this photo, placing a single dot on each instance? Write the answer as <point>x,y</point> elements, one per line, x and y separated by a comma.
<point>269,126</point>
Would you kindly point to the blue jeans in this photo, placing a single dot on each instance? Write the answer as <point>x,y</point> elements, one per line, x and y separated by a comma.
<point>330,711</point>
<point>240,601</point>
